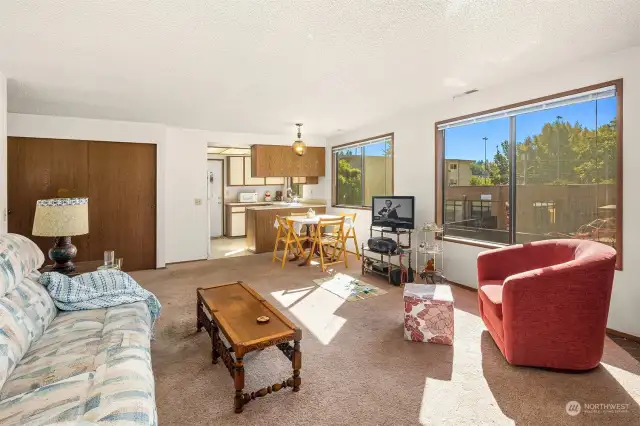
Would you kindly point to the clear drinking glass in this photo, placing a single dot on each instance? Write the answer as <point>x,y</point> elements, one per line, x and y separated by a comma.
<point>119,263</point>
<point>109,257</point>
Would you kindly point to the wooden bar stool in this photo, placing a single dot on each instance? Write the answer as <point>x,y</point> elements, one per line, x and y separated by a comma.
<point>350,232</point>
<point>329,239</point>
<point>287,235</point>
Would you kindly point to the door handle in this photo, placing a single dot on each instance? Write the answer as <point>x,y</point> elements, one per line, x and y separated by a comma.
<point>9,211</point>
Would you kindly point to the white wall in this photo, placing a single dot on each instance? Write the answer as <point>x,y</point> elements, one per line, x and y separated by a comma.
<point>3,154</point>
<point>187,229</point>
<point>41,126</point>
<point>414,163</point>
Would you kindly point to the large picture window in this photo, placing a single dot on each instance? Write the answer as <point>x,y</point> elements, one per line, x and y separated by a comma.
<point>362,170</point>
<point>548,168</point>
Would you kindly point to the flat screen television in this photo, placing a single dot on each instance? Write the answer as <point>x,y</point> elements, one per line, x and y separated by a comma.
<point>393,212</point>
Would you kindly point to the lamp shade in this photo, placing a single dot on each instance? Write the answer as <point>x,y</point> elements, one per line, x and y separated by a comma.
<point>61,217</point>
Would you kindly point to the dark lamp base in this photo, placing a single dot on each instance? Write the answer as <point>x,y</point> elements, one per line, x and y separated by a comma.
<point>62,254</point>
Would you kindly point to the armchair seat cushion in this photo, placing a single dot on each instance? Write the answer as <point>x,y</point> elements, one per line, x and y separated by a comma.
<point>493,297</point>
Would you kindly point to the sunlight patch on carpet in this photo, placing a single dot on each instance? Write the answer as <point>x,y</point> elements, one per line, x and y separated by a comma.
<point>314,308</point>
<point>288,297</point>
<point>349,288</point>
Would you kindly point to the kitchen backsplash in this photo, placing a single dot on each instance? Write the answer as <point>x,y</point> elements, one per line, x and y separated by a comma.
<point>231,192</point>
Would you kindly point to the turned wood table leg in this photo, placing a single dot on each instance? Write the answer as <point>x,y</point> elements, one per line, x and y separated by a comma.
<point>215,337</point>
<point>238,379</point>
<point>296,363</point>
<point>199,325</point>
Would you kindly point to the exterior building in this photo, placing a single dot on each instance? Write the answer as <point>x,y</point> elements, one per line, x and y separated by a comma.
<point>542,212</point>
<point>458,172</point>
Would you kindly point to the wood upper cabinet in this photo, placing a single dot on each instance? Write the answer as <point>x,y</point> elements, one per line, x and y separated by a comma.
<point>280,160</point>
<point>249,180</point>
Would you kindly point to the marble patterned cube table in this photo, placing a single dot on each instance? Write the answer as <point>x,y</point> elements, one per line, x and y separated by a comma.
<point>428,313</point>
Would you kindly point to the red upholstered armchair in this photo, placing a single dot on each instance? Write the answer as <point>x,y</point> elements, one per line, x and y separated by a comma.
<point>546,303</point>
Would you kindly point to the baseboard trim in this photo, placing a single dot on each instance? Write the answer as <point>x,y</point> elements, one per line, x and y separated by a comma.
<point>186,261</point>
<point>625,335</point>
<point>466,287</point>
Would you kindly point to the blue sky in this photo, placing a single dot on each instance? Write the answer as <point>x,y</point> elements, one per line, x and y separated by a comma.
<point>466,142</point>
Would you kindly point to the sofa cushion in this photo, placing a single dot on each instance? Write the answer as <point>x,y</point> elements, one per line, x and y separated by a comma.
<point>16,334</point>
<point>19,256</point>
<point>58,402</point>
<point>36,303</point>
<point>68,348</point>
<point>92,365</point>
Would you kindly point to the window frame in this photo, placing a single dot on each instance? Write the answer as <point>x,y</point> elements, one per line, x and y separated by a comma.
<point>440,162</point>
<point>334,171</point>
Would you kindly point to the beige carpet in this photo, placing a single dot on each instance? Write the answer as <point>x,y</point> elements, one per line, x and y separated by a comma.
<point>356,367</point>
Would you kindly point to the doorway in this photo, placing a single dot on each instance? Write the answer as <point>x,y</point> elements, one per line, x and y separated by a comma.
<point>215,198</point>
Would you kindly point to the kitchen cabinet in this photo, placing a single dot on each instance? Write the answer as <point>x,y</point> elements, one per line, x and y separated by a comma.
<point>280,160</point>
<point>274,181</point>
<point>235,171</point>
<point>238,225</point>
<point>235,221</point>
<point>239,174</point>
<point>248,179</point>
<point>309,180</point>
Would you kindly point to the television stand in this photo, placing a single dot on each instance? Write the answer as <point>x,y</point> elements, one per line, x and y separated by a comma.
<point>375,262</point>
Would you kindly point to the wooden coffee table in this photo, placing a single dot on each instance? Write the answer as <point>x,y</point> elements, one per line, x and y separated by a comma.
<point>233,309</point>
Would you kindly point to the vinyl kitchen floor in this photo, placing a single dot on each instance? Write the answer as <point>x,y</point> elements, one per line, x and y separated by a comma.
<point>222,248</point>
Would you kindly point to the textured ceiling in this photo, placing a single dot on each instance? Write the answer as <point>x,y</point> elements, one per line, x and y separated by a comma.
<point>261,66</point>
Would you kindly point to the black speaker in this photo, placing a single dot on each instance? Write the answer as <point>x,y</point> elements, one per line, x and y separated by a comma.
<point>382,245</point>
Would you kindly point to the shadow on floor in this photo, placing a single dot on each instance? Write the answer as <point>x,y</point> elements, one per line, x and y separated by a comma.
<point>536,396</point>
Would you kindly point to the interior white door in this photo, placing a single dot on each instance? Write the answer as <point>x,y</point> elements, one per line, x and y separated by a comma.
<point>216,190</point>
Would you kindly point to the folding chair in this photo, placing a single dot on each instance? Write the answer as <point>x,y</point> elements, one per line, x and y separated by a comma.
<point>350,231</point>
<point>287,235</point>
<point>330,242</point>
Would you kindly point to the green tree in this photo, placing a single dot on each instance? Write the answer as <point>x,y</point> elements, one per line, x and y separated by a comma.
<point>480,181</point>
<point>349,190</point>
<point>477,168</point>
<point>596,154</point>
<point>499,168</point>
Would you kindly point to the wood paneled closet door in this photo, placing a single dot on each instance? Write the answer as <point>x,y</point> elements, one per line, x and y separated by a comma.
<point>118,178</point>
<point>39,169</point>
<point>122,202</point>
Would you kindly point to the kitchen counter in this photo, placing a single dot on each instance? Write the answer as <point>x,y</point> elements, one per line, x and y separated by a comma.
<point>258,203</point>
<point>280,206</point>
<point>261,234</point>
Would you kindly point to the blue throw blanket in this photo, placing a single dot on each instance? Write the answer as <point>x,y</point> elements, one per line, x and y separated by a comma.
<point>96,290</point>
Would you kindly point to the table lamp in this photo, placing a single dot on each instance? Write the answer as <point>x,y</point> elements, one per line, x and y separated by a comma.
<point>62,218</point>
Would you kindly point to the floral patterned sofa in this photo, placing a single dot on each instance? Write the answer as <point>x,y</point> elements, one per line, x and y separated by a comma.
<point>68,367</point>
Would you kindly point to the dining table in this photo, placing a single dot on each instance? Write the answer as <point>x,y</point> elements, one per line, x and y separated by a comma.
<point>300,222</point>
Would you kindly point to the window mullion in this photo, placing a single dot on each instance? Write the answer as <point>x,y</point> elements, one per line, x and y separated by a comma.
<point>362,176</point>
<point>513,182</point>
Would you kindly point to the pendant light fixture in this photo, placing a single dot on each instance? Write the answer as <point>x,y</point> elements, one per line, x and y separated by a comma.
<point>298,146</point>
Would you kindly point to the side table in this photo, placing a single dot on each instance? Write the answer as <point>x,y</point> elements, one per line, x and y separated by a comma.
<point>81,268</point>
<point>428,313</point>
